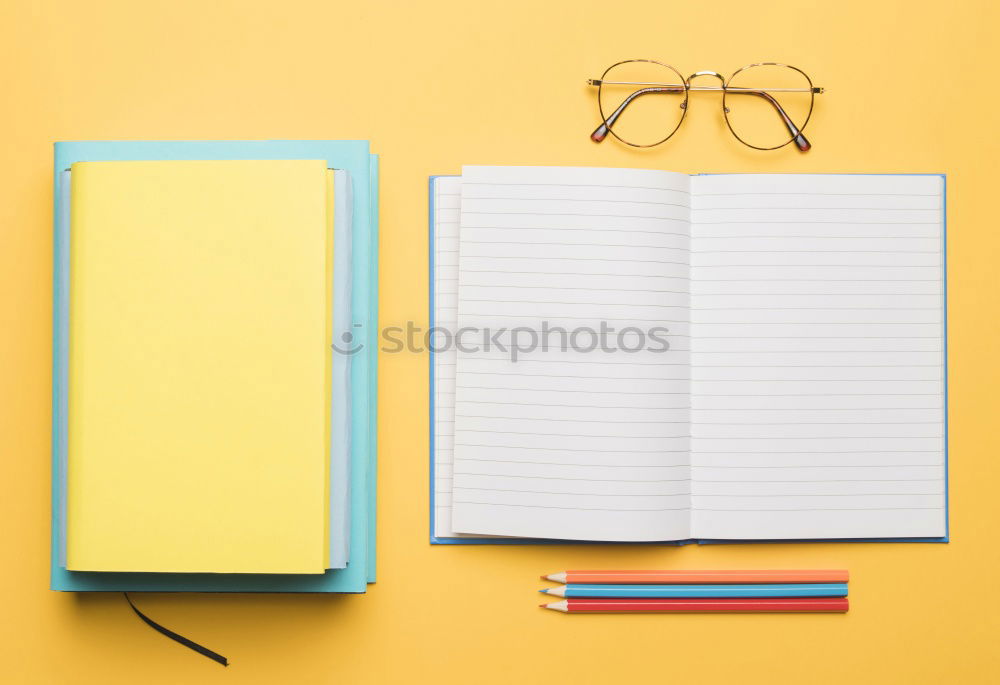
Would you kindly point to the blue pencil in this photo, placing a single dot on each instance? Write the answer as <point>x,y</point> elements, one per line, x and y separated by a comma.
<point>757,590</point>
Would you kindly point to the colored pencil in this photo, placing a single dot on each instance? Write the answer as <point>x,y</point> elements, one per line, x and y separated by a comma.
<point>692,577</point>
<point>712,590</point>
<point>815,604</point>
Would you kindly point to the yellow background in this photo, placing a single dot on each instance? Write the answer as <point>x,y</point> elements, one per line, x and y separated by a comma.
<point>911,86</point>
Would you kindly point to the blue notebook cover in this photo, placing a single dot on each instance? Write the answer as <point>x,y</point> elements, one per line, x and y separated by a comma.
<point>435,540</point>
<point>371,359</point>
<point>354,156</point>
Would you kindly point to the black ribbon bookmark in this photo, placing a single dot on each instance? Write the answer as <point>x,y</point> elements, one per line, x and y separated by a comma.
<point>204,651</point>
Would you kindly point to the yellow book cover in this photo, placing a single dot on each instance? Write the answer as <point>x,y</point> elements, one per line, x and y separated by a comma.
<point>198,364</point>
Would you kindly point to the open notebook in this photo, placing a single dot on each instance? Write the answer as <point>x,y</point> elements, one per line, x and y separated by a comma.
<point>801,393</point>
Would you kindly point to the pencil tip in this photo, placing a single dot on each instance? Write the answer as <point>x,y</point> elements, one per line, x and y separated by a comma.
<point>544,591</point>
<point>543,606</point>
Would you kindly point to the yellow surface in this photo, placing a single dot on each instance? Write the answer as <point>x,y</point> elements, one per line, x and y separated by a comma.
<point>197,430</point>
<point>436,84</point>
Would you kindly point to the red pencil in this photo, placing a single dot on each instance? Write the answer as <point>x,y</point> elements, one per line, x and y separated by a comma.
<point>796,605</point>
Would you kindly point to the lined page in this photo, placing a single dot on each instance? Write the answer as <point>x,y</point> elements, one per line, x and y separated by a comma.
<point>447,201</point>
<point>564,442</point>
<point>818,356</point>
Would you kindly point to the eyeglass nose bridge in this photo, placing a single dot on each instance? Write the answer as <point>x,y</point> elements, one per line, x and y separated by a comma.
<point>722,79</point>
<point>687,81</point>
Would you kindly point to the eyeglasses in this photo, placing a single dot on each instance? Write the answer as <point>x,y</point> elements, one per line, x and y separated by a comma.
<point>643,102</point>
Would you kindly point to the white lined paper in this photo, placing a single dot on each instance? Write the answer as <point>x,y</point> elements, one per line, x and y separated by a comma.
<point>818,356</point>
<point>563,443</point>
<point>447,201</point>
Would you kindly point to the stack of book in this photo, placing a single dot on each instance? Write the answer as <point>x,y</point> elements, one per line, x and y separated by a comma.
<point>214,367</point>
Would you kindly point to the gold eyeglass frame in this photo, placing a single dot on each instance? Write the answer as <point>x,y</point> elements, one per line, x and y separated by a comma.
<point>795,131</point>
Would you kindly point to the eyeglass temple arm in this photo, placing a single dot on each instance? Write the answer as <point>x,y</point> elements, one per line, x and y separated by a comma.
<point>798,137</point>
<point>601,132</point>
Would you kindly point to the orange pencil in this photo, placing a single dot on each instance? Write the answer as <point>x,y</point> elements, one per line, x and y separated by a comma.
<point>692,577</point>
